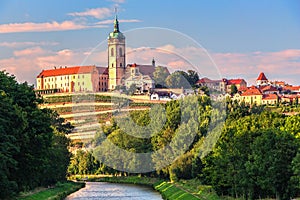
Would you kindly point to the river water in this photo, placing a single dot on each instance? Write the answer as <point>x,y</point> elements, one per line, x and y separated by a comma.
<point>101,190</point>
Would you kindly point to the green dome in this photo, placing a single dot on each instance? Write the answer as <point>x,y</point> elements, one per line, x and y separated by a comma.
<point>116,33</point>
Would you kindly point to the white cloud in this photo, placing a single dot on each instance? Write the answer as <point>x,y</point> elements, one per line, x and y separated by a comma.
<point>25,44</point>
<point>40,27</point>
<point>98,13</point>
<point>30,52</point>
<point>111,21</point>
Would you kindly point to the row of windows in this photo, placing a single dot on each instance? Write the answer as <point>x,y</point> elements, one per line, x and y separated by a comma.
<point>61,78</point>
<point>112,65</point>
<point>112,52</point>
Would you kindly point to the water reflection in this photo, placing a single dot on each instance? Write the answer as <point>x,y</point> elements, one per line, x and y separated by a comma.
<point>99,190</point>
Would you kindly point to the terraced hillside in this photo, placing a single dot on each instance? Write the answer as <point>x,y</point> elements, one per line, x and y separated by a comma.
<point>87,111</point>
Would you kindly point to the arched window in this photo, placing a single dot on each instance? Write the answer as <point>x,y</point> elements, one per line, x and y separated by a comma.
<point>120,51</point>
<point>112,52</point>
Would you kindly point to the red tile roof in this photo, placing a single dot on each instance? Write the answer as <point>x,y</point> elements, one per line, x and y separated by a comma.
<point>292,88</point>
<point>67,71</point>
<point>235,81</point>
<point>268,88</point>
<point>243,89</point>
<point>270,97</point>
<point>262,77</point>
<point>252,91</point>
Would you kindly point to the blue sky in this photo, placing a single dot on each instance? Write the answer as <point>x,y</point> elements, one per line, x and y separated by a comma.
<point>242,37</point>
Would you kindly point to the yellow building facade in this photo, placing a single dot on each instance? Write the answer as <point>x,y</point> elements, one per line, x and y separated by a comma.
<point>70,79</point>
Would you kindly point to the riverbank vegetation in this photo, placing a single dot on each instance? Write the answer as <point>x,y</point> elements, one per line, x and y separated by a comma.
<point>57,192</point>
<point>33,146</point>
<point>181,190</point>
<point>240,151</point>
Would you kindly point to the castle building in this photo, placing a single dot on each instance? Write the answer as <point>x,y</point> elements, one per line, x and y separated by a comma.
<point>72,79</point>
<point>99,79</point>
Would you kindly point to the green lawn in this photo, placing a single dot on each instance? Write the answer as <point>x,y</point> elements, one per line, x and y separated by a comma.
<point>60,191</point>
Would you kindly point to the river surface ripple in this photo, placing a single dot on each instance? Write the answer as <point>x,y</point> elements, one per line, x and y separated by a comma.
<point>115,191</point>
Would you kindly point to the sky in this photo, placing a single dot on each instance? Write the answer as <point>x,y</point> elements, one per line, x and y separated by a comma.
<point>217,38</point>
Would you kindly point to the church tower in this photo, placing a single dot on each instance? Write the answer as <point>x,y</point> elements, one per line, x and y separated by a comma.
<point>116,56</point>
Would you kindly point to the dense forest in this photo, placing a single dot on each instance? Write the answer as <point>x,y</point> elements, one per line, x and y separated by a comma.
<point>33,146</point>
<point>240,150</point>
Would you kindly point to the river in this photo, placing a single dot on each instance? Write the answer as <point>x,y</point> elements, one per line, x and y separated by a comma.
<point>103,190</point>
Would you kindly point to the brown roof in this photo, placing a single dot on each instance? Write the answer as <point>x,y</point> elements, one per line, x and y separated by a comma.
<point>66,71</point>
<point>262,77</point>
<point>207,80</point>
<point>145,69</point>
<point>102,70</point>
<point>252,91</point>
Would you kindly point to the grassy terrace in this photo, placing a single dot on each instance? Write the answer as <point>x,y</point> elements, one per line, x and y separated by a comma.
<point>58,192</point>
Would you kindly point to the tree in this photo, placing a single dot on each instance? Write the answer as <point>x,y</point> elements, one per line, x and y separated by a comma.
<point>233,89</point>
<point>159,75</point>
<point>30,147</point>
<point>178,79</point>
<point>270,162</point>
<point>193,77</point>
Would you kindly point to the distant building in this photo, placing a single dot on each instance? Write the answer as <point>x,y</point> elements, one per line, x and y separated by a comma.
<point>223,85</point>
<point>72,79</point>
<point>262,79</point>
<point>270,99</point>
<point>218,85</point>
<point>269,89</point>
<point>239,83</point>
<point>95,79</point>
<point>252,96</point>
<point>141,76</point>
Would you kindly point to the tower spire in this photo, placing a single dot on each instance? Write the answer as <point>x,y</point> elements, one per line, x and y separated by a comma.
<point>116,22</point>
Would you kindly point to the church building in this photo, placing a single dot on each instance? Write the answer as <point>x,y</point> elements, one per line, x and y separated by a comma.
<point>99,79</point>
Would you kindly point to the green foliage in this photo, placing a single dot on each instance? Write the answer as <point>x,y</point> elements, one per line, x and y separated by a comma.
<point>178,79</point>
<point>59,192</point>
<point>30,140</point>
<point>233,89</point>
<point>82,163</point>
<point>159,75</point>
<point>253,158</point>
<point>170,191</point>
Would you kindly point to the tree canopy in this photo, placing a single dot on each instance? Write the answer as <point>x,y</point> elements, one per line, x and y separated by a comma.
<point>33,146</point>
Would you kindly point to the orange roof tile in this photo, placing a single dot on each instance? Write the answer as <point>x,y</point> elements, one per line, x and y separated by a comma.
<point>252,91</point>
<point>262,77</point>
<point>235,81</point>
<point>292,88</point>
<point>66,71</point>
<point>270,97</point>
<point>268,88</point>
